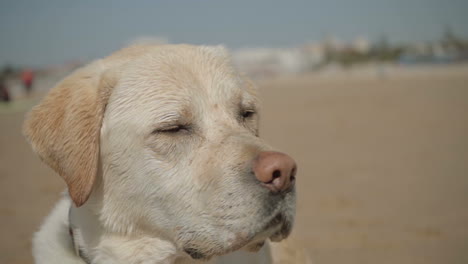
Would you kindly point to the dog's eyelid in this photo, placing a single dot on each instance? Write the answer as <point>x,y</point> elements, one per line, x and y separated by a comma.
<point>172,128</point>
<point>247,113</point>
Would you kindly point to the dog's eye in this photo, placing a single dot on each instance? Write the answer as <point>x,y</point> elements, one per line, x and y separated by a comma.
<point>247,114</point>
<point>172,129</point>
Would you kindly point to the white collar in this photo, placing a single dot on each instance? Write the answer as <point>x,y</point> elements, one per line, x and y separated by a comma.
<point>85,231</point>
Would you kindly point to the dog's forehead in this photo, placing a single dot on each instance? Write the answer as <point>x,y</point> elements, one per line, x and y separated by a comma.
<point>183,74</point>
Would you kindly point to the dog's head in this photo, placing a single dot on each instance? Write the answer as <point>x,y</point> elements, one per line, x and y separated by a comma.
<point>165,140</point>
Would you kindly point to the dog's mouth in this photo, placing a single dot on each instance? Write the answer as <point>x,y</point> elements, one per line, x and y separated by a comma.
<point>274,222</point>
<point>277,229</point>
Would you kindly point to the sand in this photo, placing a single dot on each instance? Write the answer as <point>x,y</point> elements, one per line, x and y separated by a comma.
<point>383,166</point>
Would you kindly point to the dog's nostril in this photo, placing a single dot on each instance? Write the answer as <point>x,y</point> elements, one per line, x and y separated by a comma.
<point>276,174</point>
<point>293,174</point>
<point>292,181</point>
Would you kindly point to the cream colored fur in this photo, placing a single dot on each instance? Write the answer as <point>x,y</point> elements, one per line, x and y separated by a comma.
<point>157,156</point>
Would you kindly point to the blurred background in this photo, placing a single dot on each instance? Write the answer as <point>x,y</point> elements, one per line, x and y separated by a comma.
<point>369,96</point>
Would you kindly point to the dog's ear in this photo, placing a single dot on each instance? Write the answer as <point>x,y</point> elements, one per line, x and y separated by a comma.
<point>64,129</point>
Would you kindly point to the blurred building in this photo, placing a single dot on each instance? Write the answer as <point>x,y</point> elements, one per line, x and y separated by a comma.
<point>261,62</point>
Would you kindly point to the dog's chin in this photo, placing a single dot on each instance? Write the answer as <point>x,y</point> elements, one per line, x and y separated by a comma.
<point>280,227</point>
<point>276,230</point>
<point>284,224</point>
<point>275,233</point>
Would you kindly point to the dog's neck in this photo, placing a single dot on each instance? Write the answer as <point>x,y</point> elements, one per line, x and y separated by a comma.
<point>96,246</point>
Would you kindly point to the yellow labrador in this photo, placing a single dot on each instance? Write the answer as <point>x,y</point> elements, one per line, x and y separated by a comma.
<point>160,151</point>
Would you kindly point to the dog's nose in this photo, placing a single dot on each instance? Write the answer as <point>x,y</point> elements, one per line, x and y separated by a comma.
<point>276,170</point>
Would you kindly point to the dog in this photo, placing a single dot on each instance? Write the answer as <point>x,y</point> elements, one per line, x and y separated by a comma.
<point>160,150</point>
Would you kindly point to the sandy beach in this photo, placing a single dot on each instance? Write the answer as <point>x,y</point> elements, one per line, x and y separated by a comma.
<point>383,166</point>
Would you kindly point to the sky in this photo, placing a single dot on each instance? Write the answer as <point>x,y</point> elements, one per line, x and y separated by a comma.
<point>39,32</point>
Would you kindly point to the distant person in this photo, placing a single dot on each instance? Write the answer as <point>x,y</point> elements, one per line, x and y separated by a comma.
<point>4,93</point>
<point>27,77</point>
